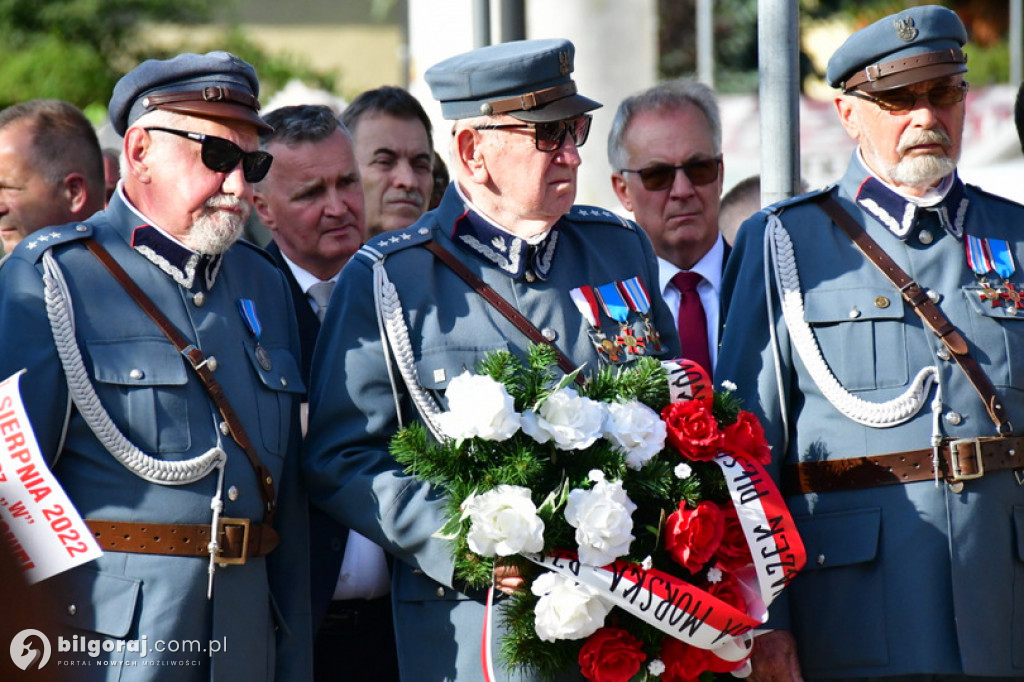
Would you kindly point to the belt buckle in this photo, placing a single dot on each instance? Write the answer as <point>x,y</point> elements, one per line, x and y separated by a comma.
<point>957,474</point>
<point>222,523</point>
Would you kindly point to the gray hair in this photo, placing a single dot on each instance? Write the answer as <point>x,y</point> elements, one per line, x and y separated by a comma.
<point>667,96</point>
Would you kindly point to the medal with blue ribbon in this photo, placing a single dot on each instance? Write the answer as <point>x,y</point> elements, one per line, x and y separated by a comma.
<point>986,255</point>
<point>586,302</point>
<point>636,295</point>
<point>247,308</point>
<point>616,307</point>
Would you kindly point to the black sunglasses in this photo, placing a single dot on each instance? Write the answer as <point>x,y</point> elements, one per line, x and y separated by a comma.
<point>661,176</point>
<point>903,100</point>
<point>549,136</point>
<point>223,156</point>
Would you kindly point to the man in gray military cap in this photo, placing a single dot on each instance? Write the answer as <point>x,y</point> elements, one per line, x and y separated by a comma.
<point>875,327</point>
<point>508,219</point>
<point>163,383</point>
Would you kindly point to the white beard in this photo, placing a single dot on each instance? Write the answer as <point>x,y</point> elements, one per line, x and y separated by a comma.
<point>215,230</point>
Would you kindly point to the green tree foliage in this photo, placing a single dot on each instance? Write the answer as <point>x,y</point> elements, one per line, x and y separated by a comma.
<point>76,50</point>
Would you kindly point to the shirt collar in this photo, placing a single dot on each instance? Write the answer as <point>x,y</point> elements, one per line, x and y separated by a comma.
<point>186,267</point>
<point>899,212</point>
<point>304,278</point>
<point>515,256</point>
<point>709,267</point>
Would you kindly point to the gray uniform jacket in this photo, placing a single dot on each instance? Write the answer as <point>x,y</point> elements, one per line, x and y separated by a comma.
<point>353,412</point>
<point>259,612</point>
<point>909,578</point>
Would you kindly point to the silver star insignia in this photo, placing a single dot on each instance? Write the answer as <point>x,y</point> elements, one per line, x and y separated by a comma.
<point>43,237</point>
<point>31,244</point>
<point>394,240</point>
<point>55,235</point>
<point>406,235</point>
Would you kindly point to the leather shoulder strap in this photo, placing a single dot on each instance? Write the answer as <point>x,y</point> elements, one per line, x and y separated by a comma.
<point>198,362</point>
<point>925,308</point>
<point>501,305</point>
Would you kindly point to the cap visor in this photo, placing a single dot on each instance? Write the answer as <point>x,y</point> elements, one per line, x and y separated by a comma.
<point>912,76</point>
<point>561,109</point>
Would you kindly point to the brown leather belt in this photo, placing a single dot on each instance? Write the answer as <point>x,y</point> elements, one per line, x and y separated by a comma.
<point>959,460</point>
<point>237,539</point>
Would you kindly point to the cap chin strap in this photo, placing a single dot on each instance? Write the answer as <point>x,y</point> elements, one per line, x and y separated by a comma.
<point>877,72</point>
<point>528,100</point>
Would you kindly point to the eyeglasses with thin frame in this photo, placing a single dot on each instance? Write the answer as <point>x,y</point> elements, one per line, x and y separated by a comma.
<point>903,100</point>
<point>223,156</point>
<point>549,136</point>
<point>660,176</point>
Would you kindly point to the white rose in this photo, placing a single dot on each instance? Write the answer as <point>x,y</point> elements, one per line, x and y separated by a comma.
<point>571,421</point>
<point>566,609</point>
<point>603,522</point>
<point>636,431</point>
<point>503,521</point>
<point>478,406</point>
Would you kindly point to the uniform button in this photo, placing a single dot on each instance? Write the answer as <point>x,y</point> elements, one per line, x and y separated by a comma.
<point>199,299</point>
<point>925,237</point>
<point>934,295</point>
<point>284,382</point>
<point>72,609</point>
<point>223,426</point>
<point>440,592</point>
<point>549,333</point>
<point>424,230</point>
<point>81,228</point>
<point>954,418</point>
<point>417,571</point>
<point>881,302</point>
<point>854,313</point>
<point>529,276</point>
<point>136,374</point>
<point>943,353</point>
<point>821,559</point>
<point>232,493</point>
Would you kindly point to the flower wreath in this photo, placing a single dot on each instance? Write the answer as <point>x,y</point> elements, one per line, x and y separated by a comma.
<point>642,496</point>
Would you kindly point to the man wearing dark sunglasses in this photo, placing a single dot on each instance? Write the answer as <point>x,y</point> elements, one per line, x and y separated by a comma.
<point>875,326</point>
<point>508,220</point>
<point>665,148</point>
<point>163,383</point>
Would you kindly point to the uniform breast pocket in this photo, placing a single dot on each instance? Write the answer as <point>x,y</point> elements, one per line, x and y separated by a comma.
<point>437,366</point>
<point>142,385</point>
<point>861,335</point>
<point>278,389</point>
<point>998,337</point>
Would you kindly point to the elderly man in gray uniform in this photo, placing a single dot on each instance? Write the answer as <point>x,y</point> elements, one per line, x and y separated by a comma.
<point>886,359</point>
<point>508,223</point>
<point>162,380</point>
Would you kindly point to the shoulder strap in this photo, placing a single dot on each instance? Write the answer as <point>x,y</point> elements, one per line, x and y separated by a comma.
<point>925,308</point>
<point>502,306</point>
<point>198,362</point>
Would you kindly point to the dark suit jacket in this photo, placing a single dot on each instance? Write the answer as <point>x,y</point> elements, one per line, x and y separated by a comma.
<point>327,537</point>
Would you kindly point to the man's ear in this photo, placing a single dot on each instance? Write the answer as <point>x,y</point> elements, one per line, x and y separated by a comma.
<point>76,192</point>
<point>259,202</point>
<point>470,154</point>
<point>137,148</point>
<point>619,185</point>
<point>847,115</point>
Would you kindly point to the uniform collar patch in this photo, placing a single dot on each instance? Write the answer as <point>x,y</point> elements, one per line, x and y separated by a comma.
<point>513,255</point>
<point>188,268</point>
<point>902,217</point>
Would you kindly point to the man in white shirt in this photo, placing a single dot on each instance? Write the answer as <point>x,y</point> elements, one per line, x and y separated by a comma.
<point>665,149</point>
<point>312,203</point>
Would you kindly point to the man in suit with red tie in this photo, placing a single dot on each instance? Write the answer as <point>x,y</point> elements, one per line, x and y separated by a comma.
<point>665,149</point>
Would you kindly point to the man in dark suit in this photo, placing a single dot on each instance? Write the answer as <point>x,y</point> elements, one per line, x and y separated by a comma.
<point>312,204</point>
<point>665,149</point>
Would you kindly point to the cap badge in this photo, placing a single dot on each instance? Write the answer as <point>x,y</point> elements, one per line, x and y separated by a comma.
<point>564,62</point>
<point>905,29</point>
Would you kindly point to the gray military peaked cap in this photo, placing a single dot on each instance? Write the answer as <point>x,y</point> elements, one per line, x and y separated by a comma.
<point>215,85</point>
<point>527,79</point>
<point>915,45</point>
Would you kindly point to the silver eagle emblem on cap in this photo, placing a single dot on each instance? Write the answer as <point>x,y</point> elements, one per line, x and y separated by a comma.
<point>564,62</point>
<point>905,29</point>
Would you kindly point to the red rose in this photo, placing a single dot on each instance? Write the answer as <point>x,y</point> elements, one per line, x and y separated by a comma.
<point>734,552</point>
<point>692,430</point>
<point>745,438</point>
<point>693,535</point>
<point>728,589</point>
<point>611,655</point>
<point>683,663</point>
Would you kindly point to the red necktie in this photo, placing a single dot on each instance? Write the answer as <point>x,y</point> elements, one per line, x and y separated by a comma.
<point>692,323</point>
